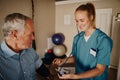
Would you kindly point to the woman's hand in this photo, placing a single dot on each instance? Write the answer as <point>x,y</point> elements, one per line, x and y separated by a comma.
<point>67,76</point>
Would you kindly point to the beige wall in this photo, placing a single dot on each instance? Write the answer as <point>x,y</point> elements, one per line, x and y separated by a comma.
<point>10,6</point>
<point>68,9</point>
<point>44,18</point>
<point>44,23</point>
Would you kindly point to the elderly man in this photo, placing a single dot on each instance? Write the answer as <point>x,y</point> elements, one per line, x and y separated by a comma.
<point>18,61</point>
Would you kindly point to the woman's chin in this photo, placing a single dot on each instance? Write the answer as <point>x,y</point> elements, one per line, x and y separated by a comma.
<point>82,29</point>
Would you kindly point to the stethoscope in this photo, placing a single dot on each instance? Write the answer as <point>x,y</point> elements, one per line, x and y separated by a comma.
<point>60,73</point>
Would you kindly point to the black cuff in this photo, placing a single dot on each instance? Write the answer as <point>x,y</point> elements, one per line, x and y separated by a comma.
<point>43,71</point>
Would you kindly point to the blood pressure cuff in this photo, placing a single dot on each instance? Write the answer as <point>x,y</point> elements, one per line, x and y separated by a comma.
<point>43,71</point>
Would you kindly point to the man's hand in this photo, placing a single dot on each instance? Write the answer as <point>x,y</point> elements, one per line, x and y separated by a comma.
<point>58,61</point>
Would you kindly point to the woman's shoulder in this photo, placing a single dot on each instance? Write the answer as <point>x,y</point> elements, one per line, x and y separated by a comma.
<point>102,35</point>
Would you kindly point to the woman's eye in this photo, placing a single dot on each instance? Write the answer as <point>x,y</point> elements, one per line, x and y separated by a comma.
<point>76,21</point>
<point>82,20</point>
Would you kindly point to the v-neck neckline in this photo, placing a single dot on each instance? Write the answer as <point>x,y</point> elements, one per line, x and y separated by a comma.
<point>89,37</point>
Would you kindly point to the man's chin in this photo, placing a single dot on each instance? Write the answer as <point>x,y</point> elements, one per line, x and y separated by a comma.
<point>26,47</point>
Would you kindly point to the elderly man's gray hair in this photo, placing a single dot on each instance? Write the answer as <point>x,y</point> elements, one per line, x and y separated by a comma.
<point>15,21</point>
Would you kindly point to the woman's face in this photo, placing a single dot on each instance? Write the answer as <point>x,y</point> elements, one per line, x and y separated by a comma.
<point>82,20</point>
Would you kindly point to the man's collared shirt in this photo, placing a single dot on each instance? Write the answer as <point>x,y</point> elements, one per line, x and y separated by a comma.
<point>18,66</point>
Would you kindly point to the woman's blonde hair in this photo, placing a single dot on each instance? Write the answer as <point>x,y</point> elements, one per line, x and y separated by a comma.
<point>89,7</point>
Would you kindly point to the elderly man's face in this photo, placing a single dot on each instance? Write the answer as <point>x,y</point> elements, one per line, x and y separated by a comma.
<point>25,40</point>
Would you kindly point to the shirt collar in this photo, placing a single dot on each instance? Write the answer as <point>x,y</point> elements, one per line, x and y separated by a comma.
<point>7,51</point>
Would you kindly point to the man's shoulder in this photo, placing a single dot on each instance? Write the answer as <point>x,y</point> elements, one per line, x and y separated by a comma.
<point>30,51</point>
<point>1,52</point>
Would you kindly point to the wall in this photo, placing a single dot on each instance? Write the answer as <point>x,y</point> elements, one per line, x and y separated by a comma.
<point>44,18</point>
<point>10,6</point>
<point>68,9</point>
<point>44,23</point>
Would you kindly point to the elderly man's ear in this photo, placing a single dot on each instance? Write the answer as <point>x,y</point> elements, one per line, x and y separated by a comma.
<point>14,34</point>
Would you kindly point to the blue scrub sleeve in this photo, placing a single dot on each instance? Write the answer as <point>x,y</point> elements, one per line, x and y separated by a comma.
<point>104,51</point>
<point>74,45</point>
<point>73,50</point>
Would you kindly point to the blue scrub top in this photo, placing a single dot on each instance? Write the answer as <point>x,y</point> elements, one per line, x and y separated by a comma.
<point>95,51</point>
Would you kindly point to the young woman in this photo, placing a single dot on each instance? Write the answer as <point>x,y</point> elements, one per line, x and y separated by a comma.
<point>91,48</point>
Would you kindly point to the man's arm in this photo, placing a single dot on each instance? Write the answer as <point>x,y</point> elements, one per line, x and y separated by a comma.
<point>43,71</point>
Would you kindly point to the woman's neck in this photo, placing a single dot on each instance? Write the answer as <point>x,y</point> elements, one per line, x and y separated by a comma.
<point>89,31</point>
